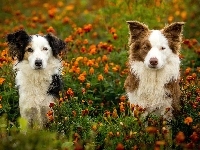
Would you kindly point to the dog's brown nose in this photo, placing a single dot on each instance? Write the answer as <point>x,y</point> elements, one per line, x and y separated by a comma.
<point>153,61</point>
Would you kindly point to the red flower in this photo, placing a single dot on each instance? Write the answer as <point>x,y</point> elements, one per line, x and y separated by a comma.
<point>51,105</point>
<point>120,147</point>
<point>180,137</point>
<point>194,137</point>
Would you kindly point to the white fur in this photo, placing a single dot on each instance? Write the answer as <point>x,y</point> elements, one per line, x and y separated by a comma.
<point>151,93</point>
<point>34,83</point>
<point>158,41</point>
<point>37,44</point>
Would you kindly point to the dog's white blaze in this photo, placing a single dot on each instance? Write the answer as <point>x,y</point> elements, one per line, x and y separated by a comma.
<point>158,41</point>
<point>151,93</point>
<point>37,44</point>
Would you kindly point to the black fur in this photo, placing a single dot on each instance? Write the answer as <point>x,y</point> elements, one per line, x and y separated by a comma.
<point>55,86</point>
<point>17,43</point>
<point>56,44</point>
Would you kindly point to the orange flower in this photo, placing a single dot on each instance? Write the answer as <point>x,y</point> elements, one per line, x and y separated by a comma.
<point>76,64</point>
<point>50,118</point>
<point>115,36</point>
<point>112,30</point>
<point>114,114</point>
<point>121,106</point>
<point>106,68</point>
<point>69,39</point>
<point>98,59</point>
<point>114,69</point>
<point>188,120</point>
<point>69,7</point>
<point>151,130</point>
<point>70,92</point>
<point>85,41</point>
<point>195,137</point>
<point>180,137</point>
<point>0,106</point>
<point>100,77</point>
<point>80,31</point>
<point>82,77</point>
<point>160,143</point>
<point>170,19</point>
<point>66,20</point>
<point>104,58</point>
<point>51,29</point>
<point>93,49</point>
<point>122,98</point>
<point>91,71</point>
<point>87,28</point>
<point>110,48</point>
<point>187,71</point>
<point>83,49</point>
<point>1,81</point>
<point>88,85</point>
<point>4,53</point>
<point>90,63</point>
<point>194,75</point>
<point>94,127</point>
<point>77,70</point>
<point>120,147</point>
<point>50,115</point>
<point>52,12</point>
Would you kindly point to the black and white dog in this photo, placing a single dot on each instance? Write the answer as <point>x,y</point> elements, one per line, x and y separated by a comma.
<point>38,71</point>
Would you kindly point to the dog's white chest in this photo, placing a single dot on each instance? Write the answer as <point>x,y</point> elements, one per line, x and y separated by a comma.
<point>33,86</point>
<point>151,91</point>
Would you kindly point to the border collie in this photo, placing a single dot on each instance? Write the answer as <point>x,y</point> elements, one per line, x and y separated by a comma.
<point>38,73</point>
<point>153,80</point>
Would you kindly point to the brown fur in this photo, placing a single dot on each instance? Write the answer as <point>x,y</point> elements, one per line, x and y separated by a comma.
<point>131,82</point>
<point>26,54</point>
<point>174,36</point>
<point>17,43</point>
<point>175,93</point>
<point>139,47</point>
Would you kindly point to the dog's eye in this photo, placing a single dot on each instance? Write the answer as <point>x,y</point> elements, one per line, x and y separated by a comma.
<point>162,48</point>
<point>45,48</point>
<point>145,47</point>
<point>30,49</point>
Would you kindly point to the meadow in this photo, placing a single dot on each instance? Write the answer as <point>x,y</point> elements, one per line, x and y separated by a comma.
<point>93,111</point>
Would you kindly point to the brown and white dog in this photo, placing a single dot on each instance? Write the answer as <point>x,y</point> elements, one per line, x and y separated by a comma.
<point>153,80</point>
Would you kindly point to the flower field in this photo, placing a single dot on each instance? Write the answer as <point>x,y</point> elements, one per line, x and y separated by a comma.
<point>93,111</point>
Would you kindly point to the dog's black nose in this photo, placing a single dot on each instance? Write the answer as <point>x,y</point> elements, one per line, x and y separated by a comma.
<point>153,61</point>
<point>38,63</point>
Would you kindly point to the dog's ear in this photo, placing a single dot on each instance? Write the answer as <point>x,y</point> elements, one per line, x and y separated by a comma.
<point>137,30</point>
<point>17,42</point>
<point>174,30</point>
<point>173,33</point>
<point>56,44</point>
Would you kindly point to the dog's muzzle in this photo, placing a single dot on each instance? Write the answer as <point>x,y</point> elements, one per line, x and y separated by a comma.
<point>38,64</point>
<point>153,62</point>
